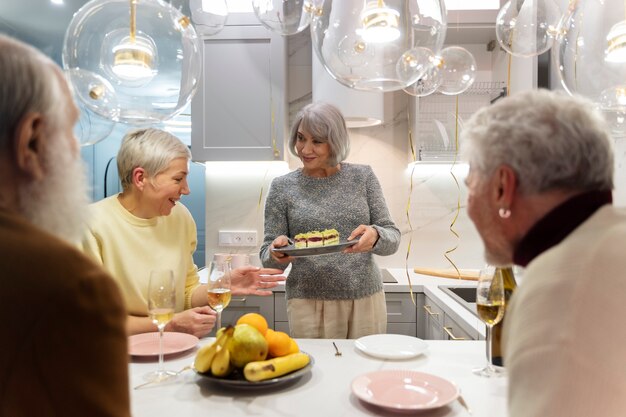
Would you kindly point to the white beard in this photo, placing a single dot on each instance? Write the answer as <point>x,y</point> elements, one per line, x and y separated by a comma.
<point>58,204</point>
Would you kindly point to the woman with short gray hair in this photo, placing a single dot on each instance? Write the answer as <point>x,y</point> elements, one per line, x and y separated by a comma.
<point>146,227</point>
<point>539,193</point>
<point>338,295</point>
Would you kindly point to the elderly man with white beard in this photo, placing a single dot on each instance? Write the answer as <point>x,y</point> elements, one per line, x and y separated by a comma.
<point>63,349</point>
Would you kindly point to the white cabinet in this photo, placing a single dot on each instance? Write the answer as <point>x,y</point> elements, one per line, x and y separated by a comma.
<point>280,312</point>
<point>239,111</point>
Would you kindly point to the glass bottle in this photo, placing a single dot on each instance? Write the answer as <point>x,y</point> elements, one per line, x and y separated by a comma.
<point>508,280</point>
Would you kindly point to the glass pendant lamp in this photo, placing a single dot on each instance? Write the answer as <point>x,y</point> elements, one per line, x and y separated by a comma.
<point>373,45</point>
<point>132,61</point>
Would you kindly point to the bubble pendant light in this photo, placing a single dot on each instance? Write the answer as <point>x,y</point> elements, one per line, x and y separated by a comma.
<point>527,28</point>
<point>590,55</point>
<point>133,61</point>
<point>364,44</point>
<point>208,16</point>
<point>286,17</point>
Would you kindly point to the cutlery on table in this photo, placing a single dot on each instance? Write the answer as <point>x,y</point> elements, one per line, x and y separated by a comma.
<point>337,352</point>
<point>464,404</point>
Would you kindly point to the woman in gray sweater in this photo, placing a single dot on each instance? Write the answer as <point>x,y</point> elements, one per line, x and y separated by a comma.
<point>337,295</point>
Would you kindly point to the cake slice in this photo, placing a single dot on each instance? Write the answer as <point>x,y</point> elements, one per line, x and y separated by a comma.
<point>299,241</point>
<point>331,237</point>
<point>314,239</point>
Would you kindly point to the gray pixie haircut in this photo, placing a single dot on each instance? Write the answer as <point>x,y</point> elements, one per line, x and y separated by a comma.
<point>28,83</point>
<point>552,141</point>
<point>150,149</point>
<point>325,123</point>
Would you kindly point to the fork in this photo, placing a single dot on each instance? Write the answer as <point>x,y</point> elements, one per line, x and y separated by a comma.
<point>337,352</point>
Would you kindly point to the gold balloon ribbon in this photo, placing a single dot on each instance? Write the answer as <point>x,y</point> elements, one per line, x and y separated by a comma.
<point>408,205</point>
<point>458,201</point>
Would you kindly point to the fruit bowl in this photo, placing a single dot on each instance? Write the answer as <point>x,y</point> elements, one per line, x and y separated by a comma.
<point>236,378</point>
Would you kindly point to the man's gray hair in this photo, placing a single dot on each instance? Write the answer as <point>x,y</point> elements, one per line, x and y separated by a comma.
<point>325,123</point>
<point>150,149</point>
<point>552,141</point>
<point>28,83</point>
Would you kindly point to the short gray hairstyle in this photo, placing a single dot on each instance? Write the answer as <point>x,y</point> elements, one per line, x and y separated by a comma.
<point>552,141</point>
<point>28,83</point>
<point>325,123</point>
<point>150,149</point>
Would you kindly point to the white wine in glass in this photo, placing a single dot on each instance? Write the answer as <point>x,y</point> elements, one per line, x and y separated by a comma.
<point>161,307</point>
<point>218,287</point>
<point>490,304</point>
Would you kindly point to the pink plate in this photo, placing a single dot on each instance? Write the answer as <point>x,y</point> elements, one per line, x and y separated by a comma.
<point>401,390</point>
<point>147,344</point>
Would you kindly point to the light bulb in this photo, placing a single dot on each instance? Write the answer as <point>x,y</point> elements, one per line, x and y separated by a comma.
<point>134,59</point>
<point>380,23</point>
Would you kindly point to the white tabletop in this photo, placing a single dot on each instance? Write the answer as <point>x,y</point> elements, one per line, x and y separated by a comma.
<point>325,391</point>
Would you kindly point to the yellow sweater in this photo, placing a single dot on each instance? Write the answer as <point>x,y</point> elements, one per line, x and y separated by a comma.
<point>129,247</point>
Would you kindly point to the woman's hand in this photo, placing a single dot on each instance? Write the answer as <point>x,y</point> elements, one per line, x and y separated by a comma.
<point>369,237</point>
<point>279,242</point>
<point>198,321</point>
<point>252,280</point>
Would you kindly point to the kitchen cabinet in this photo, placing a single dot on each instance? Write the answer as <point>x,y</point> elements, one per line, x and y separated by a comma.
<point>439,324</point>
<point>401,313</point>
<point>243,304</point>
<point>239,111</point>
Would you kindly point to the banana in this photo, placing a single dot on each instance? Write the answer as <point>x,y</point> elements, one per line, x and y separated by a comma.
<point>221,363</point>
<point>206,354</point>
<point>260,370</point>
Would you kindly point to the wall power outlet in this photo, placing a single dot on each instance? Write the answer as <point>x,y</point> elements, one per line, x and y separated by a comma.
<point>237,238</point>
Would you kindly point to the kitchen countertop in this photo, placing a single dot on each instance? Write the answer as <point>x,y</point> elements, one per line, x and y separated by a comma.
<point>325,391</point>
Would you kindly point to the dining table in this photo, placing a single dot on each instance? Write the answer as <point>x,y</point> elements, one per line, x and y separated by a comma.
<point>326,390</point>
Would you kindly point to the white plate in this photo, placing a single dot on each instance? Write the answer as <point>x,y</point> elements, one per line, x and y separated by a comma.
<point>405,391</point>
<point>391,346</point>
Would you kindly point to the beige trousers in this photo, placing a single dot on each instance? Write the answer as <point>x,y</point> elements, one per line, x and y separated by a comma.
<point>337,319</point>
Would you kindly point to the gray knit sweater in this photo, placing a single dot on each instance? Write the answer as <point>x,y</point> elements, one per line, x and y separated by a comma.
<point>297,203</point>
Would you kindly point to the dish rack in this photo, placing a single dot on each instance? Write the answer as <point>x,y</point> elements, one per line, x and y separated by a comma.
<point>435,125</point>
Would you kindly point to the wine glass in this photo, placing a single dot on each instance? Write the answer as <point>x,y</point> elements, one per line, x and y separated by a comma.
<point>490,305</point>
<point>218,287</point>
<point>161,305</point>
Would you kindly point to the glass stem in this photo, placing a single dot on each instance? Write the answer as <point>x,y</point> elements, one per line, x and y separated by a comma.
<point>161,328</point>
<point>219,320</point>
<point>489,353</point>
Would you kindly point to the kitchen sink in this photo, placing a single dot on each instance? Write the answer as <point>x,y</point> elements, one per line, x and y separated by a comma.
<point>465,296</point>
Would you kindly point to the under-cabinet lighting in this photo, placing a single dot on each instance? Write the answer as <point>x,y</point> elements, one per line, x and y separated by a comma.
<point>255,169</point>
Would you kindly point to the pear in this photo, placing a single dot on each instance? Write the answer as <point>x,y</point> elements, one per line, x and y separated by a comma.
<point>246,345</point>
